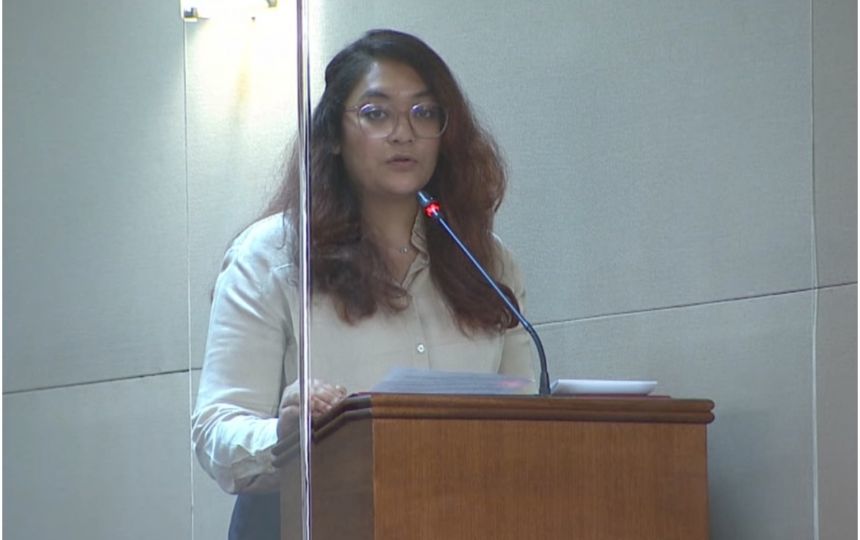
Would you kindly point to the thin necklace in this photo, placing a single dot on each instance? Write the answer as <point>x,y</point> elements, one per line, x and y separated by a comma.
<point>403,249</point>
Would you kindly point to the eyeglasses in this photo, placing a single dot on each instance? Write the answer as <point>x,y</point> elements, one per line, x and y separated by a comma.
<point>377,121</point>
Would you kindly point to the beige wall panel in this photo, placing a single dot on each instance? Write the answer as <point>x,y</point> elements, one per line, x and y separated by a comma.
<point>94,240</point>
<point>834,67</point>
<point>836,399</point>
<point>660,154</point>
<point>241,117</point>
<point>98,461</point>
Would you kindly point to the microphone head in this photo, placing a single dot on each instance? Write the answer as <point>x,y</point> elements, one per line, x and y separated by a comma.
<point>429,205</point>
<point>424,199</point>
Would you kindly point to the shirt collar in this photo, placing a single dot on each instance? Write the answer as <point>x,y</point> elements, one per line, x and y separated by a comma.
<point>422,257</point>
<point>419,238</point>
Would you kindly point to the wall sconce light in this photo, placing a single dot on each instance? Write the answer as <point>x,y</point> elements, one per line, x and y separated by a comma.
<point>193,10</point>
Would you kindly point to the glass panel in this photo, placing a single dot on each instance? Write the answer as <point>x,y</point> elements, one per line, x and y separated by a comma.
<point>392,291</point>
<point>241,106</point>
<point>630,134</point>
<point>659,164</point>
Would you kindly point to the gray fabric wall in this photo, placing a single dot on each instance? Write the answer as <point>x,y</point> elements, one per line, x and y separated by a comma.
<point>683,204</point>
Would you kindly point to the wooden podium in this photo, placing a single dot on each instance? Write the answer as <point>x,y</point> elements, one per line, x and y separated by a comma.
<point>398,466</point>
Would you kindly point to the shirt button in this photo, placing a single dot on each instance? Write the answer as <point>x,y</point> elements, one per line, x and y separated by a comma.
<point>420,348</point>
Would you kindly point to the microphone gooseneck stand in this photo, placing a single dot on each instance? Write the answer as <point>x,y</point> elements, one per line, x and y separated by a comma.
<point>433,211</point>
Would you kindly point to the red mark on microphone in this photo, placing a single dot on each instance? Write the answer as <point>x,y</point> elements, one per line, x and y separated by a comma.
<point>432,210</point>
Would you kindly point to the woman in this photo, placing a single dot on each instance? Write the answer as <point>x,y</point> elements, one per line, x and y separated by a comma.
<point>387,290</point>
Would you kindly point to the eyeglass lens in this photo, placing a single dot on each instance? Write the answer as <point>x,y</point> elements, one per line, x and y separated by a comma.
<point>427,120</point>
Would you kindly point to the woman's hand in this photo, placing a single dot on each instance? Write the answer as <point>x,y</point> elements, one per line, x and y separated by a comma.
<point>324,396</point>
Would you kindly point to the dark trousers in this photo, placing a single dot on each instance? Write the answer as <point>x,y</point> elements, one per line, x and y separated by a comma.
<point>256,517</point>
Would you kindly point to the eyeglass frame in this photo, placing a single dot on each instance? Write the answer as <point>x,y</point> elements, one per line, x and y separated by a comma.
<point>357,109</point>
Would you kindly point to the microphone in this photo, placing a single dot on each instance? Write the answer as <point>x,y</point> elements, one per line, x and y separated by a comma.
<point>433,211</point>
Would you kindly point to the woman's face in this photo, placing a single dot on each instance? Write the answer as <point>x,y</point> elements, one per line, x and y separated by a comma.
<point>399,164</point>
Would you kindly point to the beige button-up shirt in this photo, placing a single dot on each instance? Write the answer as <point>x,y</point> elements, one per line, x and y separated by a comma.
<point>251,349</point>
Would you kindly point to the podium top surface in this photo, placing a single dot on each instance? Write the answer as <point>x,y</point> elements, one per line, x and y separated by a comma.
<point>643,409</point>
<point>563,408</point>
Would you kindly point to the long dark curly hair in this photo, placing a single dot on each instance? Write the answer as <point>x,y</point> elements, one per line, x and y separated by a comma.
<point>469,181</point>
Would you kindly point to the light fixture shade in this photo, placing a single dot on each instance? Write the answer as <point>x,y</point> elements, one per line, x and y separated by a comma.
<point>209,9</point>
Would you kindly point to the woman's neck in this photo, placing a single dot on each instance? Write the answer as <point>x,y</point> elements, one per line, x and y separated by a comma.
<point>389,222</point>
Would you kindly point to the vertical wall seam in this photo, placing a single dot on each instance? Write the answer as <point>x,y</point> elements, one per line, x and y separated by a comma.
<point>815,283</point>
<point>187,268</point>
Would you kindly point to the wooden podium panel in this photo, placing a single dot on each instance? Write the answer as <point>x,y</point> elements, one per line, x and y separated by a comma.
<point>452,467</point>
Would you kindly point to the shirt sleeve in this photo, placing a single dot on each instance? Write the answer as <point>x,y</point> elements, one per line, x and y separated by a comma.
<point>234,425</point>
<point>517,355</point>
